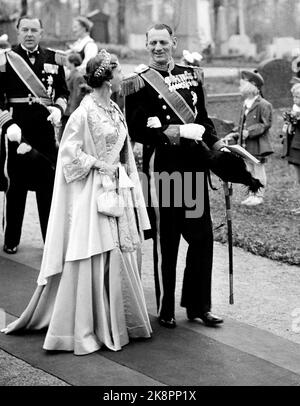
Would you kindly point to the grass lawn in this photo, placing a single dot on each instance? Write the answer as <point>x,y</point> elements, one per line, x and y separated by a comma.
<point>270,229</point>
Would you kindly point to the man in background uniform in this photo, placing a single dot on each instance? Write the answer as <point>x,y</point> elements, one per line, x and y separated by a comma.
<point>33,97</point>
<point>166,112</point>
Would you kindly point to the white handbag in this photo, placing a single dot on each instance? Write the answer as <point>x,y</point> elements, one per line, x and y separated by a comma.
<point>109,201</point>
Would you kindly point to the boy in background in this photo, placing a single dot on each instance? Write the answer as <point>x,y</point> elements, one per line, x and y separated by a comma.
<point>253,132</point>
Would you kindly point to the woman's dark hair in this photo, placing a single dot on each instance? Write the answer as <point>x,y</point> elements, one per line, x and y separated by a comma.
<point>107,73</point>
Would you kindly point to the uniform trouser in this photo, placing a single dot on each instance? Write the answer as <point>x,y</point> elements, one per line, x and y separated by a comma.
<point>196,290</point>
<point>15,207</point>
<point>42,176</point>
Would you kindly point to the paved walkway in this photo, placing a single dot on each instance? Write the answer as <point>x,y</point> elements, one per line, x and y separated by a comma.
<point>261,330</point>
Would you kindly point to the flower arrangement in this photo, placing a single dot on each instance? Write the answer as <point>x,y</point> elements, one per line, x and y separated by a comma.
<point>291,117</point>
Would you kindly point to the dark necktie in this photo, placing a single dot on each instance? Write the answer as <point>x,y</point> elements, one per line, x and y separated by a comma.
<point>32,55</point>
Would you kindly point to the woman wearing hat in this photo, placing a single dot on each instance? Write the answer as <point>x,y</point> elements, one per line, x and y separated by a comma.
<point>84,45</point>
<point>253,130</point>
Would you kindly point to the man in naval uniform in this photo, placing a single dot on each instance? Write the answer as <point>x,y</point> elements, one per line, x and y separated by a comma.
<point>33,96</point>
<point>166,112</point>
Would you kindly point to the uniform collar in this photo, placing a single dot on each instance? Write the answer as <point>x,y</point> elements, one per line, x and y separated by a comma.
<point>35,50</point>
<point>165,68</point>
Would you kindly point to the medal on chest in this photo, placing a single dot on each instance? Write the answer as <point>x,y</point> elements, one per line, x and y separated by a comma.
<point>182,81</point>
<point>49,85</point>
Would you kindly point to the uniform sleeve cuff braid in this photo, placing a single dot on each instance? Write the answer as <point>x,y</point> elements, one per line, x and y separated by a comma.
<point>61,104</point>
<point>218,145</point>
<point>60,108</point>
<point>4,117</point>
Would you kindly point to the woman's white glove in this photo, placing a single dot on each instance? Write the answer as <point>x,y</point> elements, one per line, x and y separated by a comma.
<point>23,148</point>
<point>105,168</point>
<point>153,122</point>
<point>55,115</point>
<point>14,133</point>
<point>192,131</point>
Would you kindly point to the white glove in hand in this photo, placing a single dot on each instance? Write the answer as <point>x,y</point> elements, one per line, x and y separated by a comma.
<point>192,131</point>
<point>153,122</point>
<point>23,148</point>
<point>55,115</point>
<point>14,133</point>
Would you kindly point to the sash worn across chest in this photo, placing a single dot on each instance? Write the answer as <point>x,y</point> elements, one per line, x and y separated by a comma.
<point>28,77</point>
<point>175,101</point>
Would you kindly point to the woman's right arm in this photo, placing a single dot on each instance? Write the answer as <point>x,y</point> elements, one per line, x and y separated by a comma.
<point>76,163</point>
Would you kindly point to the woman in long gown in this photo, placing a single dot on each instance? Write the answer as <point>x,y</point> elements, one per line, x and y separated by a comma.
<point>89,289</point>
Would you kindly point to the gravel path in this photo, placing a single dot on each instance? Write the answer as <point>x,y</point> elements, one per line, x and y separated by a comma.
<point>266,292</point>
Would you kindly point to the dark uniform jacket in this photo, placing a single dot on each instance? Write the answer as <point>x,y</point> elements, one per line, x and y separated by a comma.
<point>30,117</point>
<point>172,152</point>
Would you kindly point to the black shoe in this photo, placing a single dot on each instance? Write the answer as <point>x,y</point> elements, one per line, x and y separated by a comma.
<point>208,318</point>
<point>10,250</point>
<point>168,323</point>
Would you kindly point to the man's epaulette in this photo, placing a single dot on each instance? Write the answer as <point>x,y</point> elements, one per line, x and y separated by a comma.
<point>60,57</point>
<point>133,82</point>
<point>197,71</point>
<point>2,60</point>
<point>141,68</point>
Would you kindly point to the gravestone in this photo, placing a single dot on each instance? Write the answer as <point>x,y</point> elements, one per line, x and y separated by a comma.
<point>226,106</point>
<point>187,29</point>
<point>223,127</point>
<point>284,45</point>
<point>241,45</point>
<point>277,74</point>
<point>100,28</point>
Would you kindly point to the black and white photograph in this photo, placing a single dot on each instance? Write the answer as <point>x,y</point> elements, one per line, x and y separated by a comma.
<point>149,197</point>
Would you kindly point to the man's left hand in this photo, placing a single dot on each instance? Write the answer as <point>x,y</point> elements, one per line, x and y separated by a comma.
<point>55,115</point>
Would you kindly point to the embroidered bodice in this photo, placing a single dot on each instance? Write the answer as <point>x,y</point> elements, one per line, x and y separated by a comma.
<point>108,130</point>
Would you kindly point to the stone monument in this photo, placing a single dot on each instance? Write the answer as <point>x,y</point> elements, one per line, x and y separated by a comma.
<point>277,74</point>
<point>193,30</point>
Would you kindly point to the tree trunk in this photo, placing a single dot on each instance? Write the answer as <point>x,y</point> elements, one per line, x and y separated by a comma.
<point>95,5</point>
<point>216,5</point>
<point>121,21</point>
<point>24,7</point>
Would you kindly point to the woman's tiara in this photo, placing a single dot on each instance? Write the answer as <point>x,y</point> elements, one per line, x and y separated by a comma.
<point>105,64</point>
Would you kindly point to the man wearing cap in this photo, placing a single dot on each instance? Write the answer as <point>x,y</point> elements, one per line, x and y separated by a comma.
<point>33,97</point>
<point>252,132</point>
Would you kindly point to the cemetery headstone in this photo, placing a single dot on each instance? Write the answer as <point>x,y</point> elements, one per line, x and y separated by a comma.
<point>277,74</point>
<point>223,127</point>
